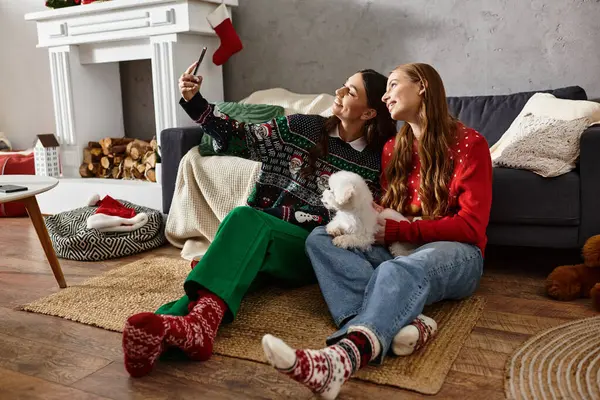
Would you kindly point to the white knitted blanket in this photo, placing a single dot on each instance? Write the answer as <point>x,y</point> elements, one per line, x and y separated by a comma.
<point>206,190</point>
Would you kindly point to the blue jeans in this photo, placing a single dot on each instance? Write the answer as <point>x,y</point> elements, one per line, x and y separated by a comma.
<point>375,290</point>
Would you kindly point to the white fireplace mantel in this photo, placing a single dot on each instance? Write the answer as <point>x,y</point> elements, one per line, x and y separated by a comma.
<point>85,44</point>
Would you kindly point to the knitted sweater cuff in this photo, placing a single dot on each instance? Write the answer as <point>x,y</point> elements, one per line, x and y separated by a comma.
<point>392,231</point>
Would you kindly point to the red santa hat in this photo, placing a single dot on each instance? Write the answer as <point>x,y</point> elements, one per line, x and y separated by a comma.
<point>110,206</point>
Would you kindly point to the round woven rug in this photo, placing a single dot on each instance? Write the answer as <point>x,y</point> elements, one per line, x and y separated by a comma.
<point>560,363</point>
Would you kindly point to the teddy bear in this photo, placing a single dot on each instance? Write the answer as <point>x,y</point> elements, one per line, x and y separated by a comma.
<point>569,282</point>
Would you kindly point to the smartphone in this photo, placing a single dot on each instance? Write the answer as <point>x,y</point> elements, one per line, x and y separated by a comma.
<point>200,60</point>
<point>11,188</point>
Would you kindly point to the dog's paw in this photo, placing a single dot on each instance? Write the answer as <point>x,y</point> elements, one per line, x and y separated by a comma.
<point>352,242</point>
<point>342,241</point>
<point>334,231</point>
<point>399,249</point>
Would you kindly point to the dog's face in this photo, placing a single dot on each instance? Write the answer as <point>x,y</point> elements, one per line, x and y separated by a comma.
<point>328,200</point>
<point>341,200</point>
<point>344,188</point>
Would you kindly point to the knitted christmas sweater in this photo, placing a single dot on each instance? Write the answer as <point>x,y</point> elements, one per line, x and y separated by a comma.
<point>470,195</point>
<point>282,146</point>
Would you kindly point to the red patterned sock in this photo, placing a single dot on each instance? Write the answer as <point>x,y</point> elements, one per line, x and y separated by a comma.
<point>194,262</point>
<point>143,342</point>
<point>363,345</point>
<point>146,334</point>
<point>195,333</point>
<point>324,371</point>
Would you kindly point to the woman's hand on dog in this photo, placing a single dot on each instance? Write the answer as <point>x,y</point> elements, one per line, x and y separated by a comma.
<point>377,207</point>
<point>380,235</point>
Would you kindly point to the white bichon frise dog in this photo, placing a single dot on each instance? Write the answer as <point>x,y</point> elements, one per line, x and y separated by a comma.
<point>355,222</point>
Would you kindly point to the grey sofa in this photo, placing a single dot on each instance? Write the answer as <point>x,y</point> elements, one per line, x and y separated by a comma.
<point>527,210</point>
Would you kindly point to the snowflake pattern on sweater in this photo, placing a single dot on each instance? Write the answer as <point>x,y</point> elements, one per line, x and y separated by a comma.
<point>282,146</point>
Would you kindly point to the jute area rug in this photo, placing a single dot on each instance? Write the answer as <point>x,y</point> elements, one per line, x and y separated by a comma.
<point>560,363</point>
<point>298,316</point>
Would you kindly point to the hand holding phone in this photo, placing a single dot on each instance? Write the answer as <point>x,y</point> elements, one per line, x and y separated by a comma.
<point>189,83</point>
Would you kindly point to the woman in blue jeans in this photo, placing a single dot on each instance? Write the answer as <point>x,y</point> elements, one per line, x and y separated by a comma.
<point>436,169</point>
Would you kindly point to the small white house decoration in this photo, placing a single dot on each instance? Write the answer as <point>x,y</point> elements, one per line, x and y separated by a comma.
<point>45,154</point>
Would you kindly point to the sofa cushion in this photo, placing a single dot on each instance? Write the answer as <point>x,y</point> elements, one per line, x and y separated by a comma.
<point>522,197</point>
<point>241,112</point>
<point>492,115</point>
<point>546,146</point>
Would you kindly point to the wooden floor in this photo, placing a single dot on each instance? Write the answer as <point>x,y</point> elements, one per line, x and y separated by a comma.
<point>43,357</point>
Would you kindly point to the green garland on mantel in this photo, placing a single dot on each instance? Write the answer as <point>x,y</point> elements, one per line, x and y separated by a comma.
<point>62,3</point>
<point>68,3</point>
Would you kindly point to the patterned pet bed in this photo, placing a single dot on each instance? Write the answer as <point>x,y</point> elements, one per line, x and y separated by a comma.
<point>74,241</point>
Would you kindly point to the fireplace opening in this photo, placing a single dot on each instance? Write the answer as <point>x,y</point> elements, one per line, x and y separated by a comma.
<point>134,156</point>
<point>138,100</point>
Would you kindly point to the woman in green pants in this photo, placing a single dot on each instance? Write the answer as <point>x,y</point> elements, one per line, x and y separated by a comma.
<point>264,240</point>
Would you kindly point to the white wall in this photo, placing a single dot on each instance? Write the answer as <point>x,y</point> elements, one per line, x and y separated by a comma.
<point>25,90</point>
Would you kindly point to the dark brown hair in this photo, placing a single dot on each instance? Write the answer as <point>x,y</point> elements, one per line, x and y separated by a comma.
<point>377,130</point>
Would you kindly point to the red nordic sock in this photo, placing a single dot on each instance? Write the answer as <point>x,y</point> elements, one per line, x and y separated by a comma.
<point>363,345</point>
<point>195,261</point>
<point>143,342</point>
<point>146,335</point>
<point>195,333</point>
<point>230,41</point>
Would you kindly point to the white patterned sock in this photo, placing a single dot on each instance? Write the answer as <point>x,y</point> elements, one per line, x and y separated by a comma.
<point>322,371</point>
<point>414,336</point>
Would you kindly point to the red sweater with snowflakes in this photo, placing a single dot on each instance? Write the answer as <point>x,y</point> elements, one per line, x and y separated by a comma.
<point>470,195</point>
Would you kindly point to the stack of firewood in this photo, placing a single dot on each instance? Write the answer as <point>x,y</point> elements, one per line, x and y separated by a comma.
<point>120,158</point>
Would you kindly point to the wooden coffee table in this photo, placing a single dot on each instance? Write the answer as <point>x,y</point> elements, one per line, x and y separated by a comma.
<point>35,185</point>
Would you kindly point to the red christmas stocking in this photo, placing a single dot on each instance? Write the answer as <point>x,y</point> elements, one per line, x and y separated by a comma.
<point>230,41</point>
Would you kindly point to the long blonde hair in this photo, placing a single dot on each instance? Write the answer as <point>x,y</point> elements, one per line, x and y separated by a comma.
<point>438,128</point>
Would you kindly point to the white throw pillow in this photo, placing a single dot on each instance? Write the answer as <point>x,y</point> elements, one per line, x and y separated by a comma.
<point>547,146</point>
<point>545,104</point>
<point>293,103</point>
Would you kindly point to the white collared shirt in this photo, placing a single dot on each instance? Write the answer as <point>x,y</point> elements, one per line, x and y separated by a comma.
<point>358,144</point>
